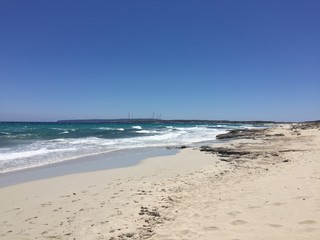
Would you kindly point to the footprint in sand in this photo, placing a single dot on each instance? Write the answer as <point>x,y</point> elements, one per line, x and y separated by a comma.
<point>210,228</point>
<point>277,204</point>
<point>30,218</point>
<point>57,209</point>
<point>302,197</point>
<point>238,222</point>
<point>46,204</point>
<point>233,214</point>
<point>274,225</point>
<point>64,196</point>
<point>254,207</point>
<point>308,222</point>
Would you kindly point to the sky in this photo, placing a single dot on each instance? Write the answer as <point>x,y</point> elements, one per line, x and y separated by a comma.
<point>200,59</point>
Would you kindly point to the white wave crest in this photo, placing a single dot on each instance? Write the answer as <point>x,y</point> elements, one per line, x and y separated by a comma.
<point>5,133</point>
<point>31,153</point>
<point>65,132</point>
<point>146,131</point>
<point>109,128</point>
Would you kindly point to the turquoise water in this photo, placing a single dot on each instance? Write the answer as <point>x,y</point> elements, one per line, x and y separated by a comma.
<point>27,145</point>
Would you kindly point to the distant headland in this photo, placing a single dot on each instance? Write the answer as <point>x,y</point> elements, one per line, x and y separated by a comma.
<point>153,120</point>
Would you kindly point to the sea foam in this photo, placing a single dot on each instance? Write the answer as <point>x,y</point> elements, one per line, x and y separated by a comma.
<point>62,143</point>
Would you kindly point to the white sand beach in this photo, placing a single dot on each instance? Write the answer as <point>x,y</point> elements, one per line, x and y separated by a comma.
<point>264,185</point>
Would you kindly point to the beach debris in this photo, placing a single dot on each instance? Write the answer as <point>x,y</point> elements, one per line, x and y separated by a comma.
<point>124,236</point>
<point>145,211</point>
<point>177,147</point>
<point>305,126</point>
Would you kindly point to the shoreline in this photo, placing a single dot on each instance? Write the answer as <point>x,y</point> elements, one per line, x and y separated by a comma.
<point>26,147</point>
<point>257,186</point>
<point>97,162</point>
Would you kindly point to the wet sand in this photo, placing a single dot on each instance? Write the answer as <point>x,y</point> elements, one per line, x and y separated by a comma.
<point>98,162</point>
<point>254,185</point>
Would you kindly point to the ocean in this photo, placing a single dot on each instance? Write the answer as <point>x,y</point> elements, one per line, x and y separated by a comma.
<point>29,145</point>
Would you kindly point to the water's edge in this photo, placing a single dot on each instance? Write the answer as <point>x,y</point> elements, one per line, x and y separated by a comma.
<point>104,161</point>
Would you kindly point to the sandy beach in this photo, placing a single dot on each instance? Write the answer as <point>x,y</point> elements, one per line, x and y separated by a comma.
<point>256,184</point>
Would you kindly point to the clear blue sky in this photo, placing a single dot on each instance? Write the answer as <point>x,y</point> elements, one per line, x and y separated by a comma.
<point>236,60</point>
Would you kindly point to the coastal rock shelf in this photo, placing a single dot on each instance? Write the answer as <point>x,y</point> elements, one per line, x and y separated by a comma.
<point>244,134</point>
